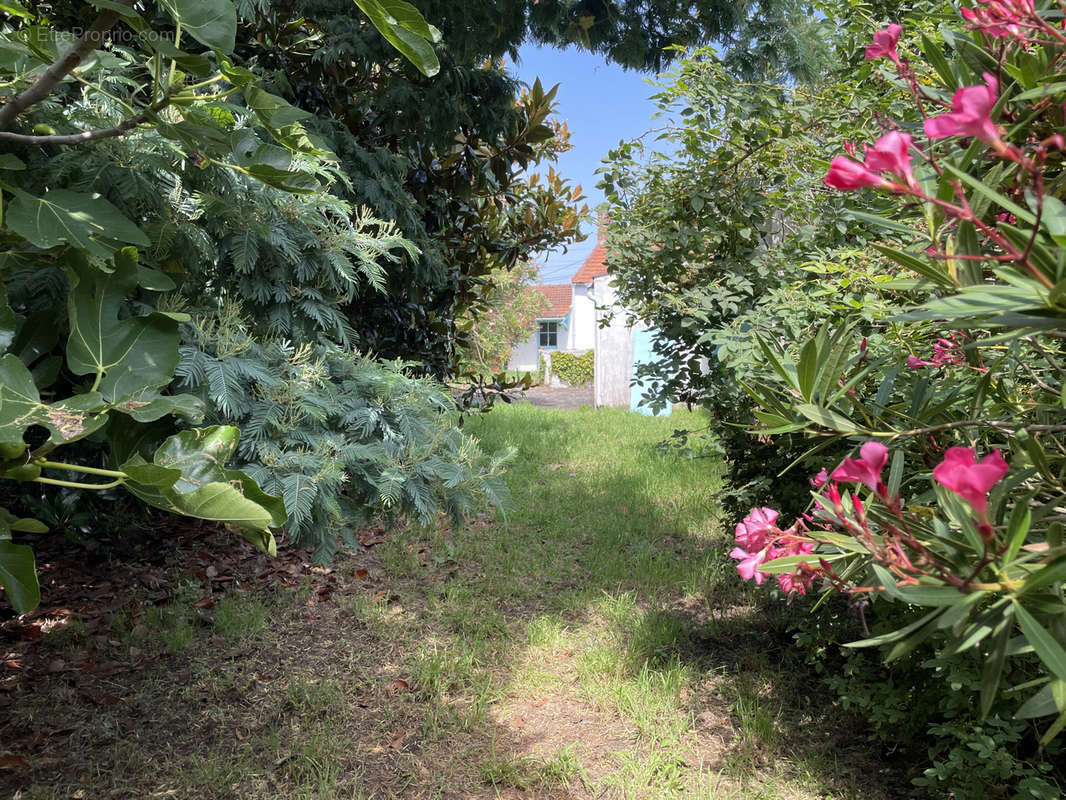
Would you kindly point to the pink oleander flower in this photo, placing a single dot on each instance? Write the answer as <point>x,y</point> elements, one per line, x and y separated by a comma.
<point>751,561</point>
<point>971,107</point>
<point>792,583</point>
<point>945,352</point>
<point>820,479</point>
<point>884,45</point>
<point>832,494</point>
<point>970,479</point>
<point>753,532</point>
<point>890,154</point>
<point>1001,18</point>
<point>847,175</point>
<point>798,580</point>
<point>801,580</point>
<point>866,469</point>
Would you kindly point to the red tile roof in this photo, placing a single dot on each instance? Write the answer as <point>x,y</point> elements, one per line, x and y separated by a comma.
<point>559,296</point>
<point>596,264</point>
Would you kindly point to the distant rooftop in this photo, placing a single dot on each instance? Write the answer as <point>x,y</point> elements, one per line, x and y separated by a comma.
<point>596,264</point>
<point>559,296</point>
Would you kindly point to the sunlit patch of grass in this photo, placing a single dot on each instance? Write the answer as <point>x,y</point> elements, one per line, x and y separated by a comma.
<point>399,555</point>
<point>313,697</point>
<point>241,616</point>
<point>525,773</point>
<point>581,608</point>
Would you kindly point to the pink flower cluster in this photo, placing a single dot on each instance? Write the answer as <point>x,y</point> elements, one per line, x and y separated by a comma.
<point>759,539</point>
<point>970,479</point>
<point>970,115</point>
<point>945,352</point>
<point>1002,18</point>
<point>890,155</point>
<point>884,45</point>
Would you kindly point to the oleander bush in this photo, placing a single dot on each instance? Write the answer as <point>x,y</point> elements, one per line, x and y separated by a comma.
<point>862,281</point>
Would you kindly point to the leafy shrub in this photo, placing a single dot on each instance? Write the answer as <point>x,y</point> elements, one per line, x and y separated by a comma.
<point>933,340</point>
<point>164,181</point>
<point>714,241</point>
<point>338,436</point>
<point>573,369</point>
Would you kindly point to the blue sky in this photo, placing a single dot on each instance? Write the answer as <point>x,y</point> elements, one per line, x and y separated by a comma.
<point>602,104</point>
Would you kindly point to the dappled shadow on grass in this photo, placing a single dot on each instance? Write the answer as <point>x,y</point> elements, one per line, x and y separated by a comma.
<point>644,532</point>
<point>570,651</point>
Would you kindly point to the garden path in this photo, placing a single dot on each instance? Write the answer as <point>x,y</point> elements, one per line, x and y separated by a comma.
<point>595,643</point>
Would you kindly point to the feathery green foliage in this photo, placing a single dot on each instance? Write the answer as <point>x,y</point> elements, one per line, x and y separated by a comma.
<point>338,436</point>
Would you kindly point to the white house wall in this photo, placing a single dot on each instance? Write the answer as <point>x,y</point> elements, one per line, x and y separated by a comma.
<point>582,332</point>
<point>613,361</point>
<point>525,357</point>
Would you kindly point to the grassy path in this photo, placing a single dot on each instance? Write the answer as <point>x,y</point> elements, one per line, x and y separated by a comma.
<point>595,644</point>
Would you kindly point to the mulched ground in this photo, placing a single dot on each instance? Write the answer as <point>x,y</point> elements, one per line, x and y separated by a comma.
<point>86,587</point>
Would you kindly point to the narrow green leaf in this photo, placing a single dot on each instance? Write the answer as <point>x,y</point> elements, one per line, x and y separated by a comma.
<point>895,636</point>
<point>1048,650</point>
<point>789,563</point>
<point>934,54</point>
<point>991,194</point>
<point>1017,528</point>
<point>1041,91</point>
<point>1051,699</point>
<point>1052,574</point>
<point>992,671</point>
<point>826,418</point>
<point>912,262</point>
<point>807,368</point>
<point>883,222</point>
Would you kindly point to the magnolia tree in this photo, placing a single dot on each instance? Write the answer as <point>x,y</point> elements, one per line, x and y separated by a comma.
<point>953,504</point>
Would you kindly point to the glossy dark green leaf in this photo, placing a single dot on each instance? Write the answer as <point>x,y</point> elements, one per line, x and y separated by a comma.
<point>18,576</point>
<point>126,355</point>
<point>195,64</point>
<point>190,478</point>
<point>21,407</point>
<point>8,322</point>
<point>149,406</point>
<point>405,29</point>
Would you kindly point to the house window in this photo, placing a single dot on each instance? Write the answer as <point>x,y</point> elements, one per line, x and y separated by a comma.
<point>549,335</point>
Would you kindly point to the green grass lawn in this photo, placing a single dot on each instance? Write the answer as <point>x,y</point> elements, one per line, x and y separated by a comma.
<point>595,643</point>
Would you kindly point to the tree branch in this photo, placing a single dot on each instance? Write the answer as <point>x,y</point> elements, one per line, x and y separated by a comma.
<point>90,39</point>
<point>74,138</point>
